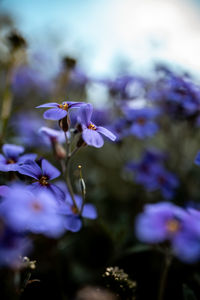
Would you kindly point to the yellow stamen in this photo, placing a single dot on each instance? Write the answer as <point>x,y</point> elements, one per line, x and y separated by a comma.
<point>173,226</point>
<point>92,126</point>
<point>43,180</point>
<point>64,106</point>
<point>10,161</point>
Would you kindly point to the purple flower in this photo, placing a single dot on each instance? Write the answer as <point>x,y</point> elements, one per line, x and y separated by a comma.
<point>36,212</point>
<point>143,124</point>
<point>12,246</point>
<point>165,221</point>
<point>42,174</point>
<point>91,133</point>
<point>58,111</point>
<point>12,157</point>
<point>197,159</point>
<point>73,214</point>
<point>52,135</point>
<point>27,125</point>
<point>152,174</point>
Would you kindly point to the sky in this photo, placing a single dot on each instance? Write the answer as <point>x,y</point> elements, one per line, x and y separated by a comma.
<point>103,34</point>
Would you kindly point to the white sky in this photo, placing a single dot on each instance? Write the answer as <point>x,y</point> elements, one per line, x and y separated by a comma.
<point>100,31</point>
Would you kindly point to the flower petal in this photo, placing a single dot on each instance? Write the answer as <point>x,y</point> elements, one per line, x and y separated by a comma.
<point>12,151</point>
<point>55,114</point>
<point>49,170</point>
<point>58,193</point>
<point>92,138</point>
<point>25,157</point>
<point>30,168</point>
<point>106,132</point>
<point>89,211</point>
<point>51,104</point>
<point>74,104</point>
<point>73,223</point>
<point>85,114</point>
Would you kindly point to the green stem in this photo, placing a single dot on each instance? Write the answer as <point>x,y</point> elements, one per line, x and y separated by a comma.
<point>167,263</point>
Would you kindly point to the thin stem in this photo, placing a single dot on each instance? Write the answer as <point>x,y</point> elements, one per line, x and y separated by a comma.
<point>167,263</point>
<point>68,181</point>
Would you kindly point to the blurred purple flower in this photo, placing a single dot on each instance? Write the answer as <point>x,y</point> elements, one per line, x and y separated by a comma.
<point>12,157</point>
<point>52,135</point>
<point>27,125</point>
<point>36,212</point>
<point>152,174</point>
<point>12,246</point>
<point>26,79</point>
<point>143,124</point>
<point>91,133</point>
<point>165,221</point>
<point>42,175</point>
<point>58,111</point>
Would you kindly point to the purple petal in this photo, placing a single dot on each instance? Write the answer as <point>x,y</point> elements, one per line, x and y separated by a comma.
<point>85,114</point>
<point>74,104</point>
<point>4,189</point>
<point>73,223</point>
<point>12,151</point>
<point>106,132</point>
<point>2,159</point>
<point>89,211</point>
<point>58,193</point>
<point>197,159</point>
<point>49,170</point>
<point>51,104</point>
<point>92,138</point>
<point>55,114</point>
<point>25,157</point>
<point>8,167</point>
<point>30,168</point>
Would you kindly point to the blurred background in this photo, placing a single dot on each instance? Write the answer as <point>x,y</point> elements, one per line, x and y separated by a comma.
<point>107,34</point>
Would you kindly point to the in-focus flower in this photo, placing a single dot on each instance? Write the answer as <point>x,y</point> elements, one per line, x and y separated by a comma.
<point>167,222</point>
<point>12,157</point>
<point>42,174</point>
<point>74,214</point>
<point>36,212</point>
<point>91,133</point>
<point>59,111</point>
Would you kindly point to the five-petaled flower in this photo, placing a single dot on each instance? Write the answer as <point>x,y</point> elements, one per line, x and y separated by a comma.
<point>59,111</point>
<point>90,132</point>
<point>43,174</point>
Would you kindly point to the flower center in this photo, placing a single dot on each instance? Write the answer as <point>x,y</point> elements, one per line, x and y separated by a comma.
<point>92,126</point>
<point>36,206</point>
<point>43,180</point>
<point>64,106</point>
<point>162,180</point>
<point>74,210</point>
<point>173,226</point>
<point>10,161</point>
<point>141,121</point>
